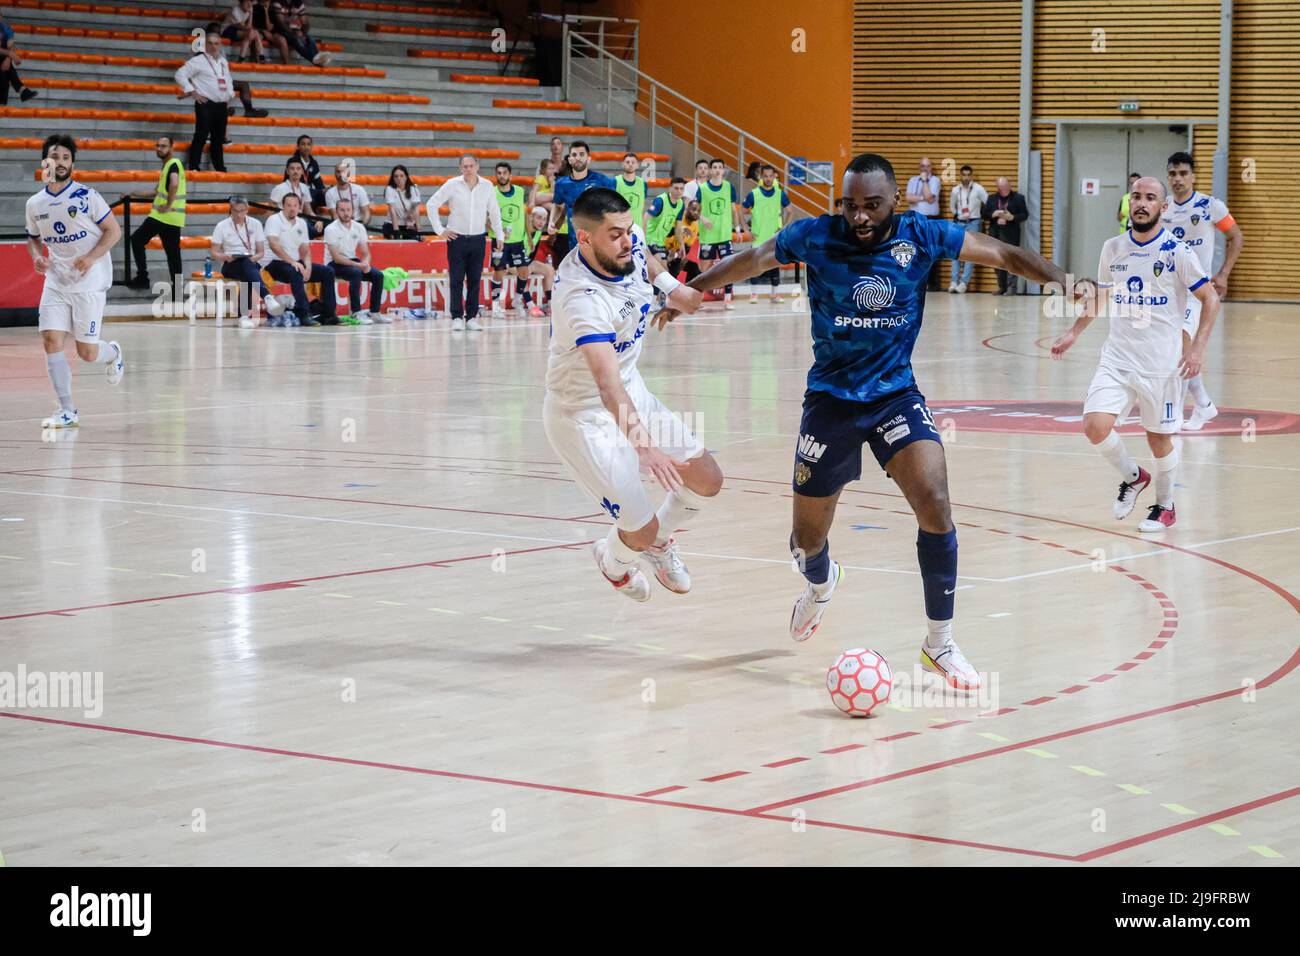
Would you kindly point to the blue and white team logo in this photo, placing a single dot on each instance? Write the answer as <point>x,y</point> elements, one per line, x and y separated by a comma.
<point>1180,232</point>
<point>60,228</point>
<point>873,293</point>
<point>903,253</point>
<point>1168,244</point>
<point>1135,284</point>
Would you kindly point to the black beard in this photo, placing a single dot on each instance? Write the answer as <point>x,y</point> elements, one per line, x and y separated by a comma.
<point>879,234</point>
<point>611,267</point>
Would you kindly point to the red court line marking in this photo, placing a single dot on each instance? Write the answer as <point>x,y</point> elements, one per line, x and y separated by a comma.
<point>295,582</point>
<point>951,723</point>
<point>661,790</point>
<point>845,749</point>
<point>1000,711</point>
<point>724,776</point>
<point>1144,656</point>
<point>1102,678</point>
<point>1157,644</point>
<point>1036,701</point>
<point>1074,689</point>
<point>785,763</point>
<point>1126,666</point>
<point>283,494</point>
<point>906,733</point>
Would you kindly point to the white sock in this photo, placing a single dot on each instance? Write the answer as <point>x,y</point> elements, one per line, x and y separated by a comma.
<point>56,363</point>
<point>1165,469</point>
<point>106,354</point>
<point>678,508</point>
<point>1197,387</point>
<point>940,633</point>
<point>1113,450</point>
<point>619,558</point>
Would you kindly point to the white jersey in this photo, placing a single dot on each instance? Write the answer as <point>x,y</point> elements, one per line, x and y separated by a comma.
<point>1147,286</point>
<point>588,307</point>
<point>1195,222</point>
<point>68,223</point>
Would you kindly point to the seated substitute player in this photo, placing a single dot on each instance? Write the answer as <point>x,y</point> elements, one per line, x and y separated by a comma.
<point>1147,274</point>
<point>600,417</point>
<point>70,230</point>
<point>1194,217</point>
<point>867,273</point>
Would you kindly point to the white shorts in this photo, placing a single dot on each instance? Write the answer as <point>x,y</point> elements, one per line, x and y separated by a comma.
<point>81,313</point>
<point>1159,397</point>
<point>605,464</point>
<point>1192,315</point>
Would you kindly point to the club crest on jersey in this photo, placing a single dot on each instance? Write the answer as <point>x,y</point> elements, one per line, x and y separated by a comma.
<point>1195,219</point>
<point>801,473</point>
<point>873,293</point>
<point>72,212</point>
<point>903,253</point>
<point>1157,267</point>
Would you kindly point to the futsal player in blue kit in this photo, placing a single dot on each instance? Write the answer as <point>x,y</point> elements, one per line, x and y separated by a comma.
<point>867,272</point>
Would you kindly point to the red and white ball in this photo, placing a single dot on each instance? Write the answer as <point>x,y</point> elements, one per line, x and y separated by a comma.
<point>859,682</point>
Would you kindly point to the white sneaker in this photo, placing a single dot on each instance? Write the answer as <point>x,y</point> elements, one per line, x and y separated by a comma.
<point>753,298</point>
<point>670,570</point>
<point>634,583</point>
<point>383,318</point>
<point>473,326</point>
<point>729,305</point>
<point>246,322</point>
<point>1201,416</point>
<point>63,418</point>
<point>458,325</point>
<point>961,287</point>
<point>322,59</point>
<point>1128,493</point>
<point>810,607</point>
<point>498,309</point>
<point>363,316</point>
<point>273,305</point>
<point>952,287</point>
<point>950,664</point>
<point>116,368</point>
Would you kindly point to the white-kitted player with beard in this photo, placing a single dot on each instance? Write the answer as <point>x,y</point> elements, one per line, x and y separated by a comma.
<point>600,417</point>
<point>70,230</point>
<point>1146,275</point>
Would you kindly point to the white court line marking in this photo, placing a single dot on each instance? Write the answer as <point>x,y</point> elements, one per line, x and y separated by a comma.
<point>1085,454</point>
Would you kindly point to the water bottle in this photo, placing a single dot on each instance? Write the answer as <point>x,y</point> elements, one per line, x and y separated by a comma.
<point>207,268</point>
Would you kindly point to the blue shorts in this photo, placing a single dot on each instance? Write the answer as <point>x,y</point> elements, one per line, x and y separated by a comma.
<point>714,250</point>
<point>828,454</point>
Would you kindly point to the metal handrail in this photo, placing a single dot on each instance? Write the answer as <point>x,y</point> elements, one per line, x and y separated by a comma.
<point>646,99</point>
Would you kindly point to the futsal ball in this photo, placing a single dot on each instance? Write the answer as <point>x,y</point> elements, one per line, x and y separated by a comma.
<point>859,682</point>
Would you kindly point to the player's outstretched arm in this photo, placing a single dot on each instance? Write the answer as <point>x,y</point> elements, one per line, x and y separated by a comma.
<point>1192,360</point>
<point>754,261</point>
<point>681,298</point>
<point>986,251</point>
<point>602,360</point>
<point>1087,294</point>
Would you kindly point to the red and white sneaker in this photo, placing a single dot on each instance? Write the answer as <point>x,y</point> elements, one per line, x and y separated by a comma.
<point>1158,519</point>
<point>633,584</point>
<point>670,570</point>
<point>1128,493</point>
<point>950,664</point>
<point>812,604</point>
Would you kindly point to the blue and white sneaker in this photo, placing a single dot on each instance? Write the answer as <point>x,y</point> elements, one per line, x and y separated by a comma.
<point>63,418</point>
<point>419,314</point>
<point>116,368</point>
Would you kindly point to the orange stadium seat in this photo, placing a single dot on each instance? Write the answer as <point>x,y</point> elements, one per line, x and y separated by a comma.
<point>503,80</point>
<point>580,131</point>
<point>536,105</point>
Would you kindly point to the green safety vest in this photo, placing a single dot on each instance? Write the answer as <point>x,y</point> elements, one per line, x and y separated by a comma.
<point>634,192</point>
<point>530,240</point>
<point>1123,214</point>
<point>766,221</point>
<point>661,226</point>
<point>715,206</point>
<point>176,217</point>
<point>512,213</point>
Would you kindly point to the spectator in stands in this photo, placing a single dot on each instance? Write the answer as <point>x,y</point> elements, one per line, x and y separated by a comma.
<point>9,62</point>
<point>265,27</point>
<point>290,20</point>
<point>289,260</point>
<point>348,254</point>
<point>242,90</point>
<point>403,199</point>
<point>701,176</point>
<point>239,245</point>
<point>206,77</point>
<point>560,157</point>
<point>311,170</point>
<point>344,173</point>
<point>473,205</point>
<point>166,218</point>
<point>684,245</point>
<point>967,205</point>
<point>568,188</point>
<point>1005,211</point>
<point>237,27</point>
<point>295,182</point>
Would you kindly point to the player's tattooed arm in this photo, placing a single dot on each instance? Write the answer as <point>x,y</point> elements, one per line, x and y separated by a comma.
<point>1194,357</point>
<point>602,360</point>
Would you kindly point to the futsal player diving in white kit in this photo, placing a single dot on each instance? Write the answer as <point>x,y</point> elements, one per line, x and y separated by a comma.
<point>600,417</point>
<point>1147,277</point>
<point>70,230</point>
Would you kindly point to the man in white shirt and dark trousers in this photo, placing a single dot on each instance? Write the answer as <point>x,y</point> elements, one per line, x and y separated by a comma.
<point>239,245</point>
<point>473,205</point>
<point>206,77</point>
<point>349,254</point>
<point>967,205</point>
<point>290,262</point>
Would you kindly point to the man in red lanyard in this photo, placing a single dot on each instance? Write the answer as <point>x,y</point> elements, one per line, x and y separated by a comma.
<point>206,77</point>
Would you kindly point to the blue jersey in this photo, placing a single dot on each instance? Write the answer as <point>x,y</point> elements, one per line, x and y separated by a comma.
<point>568,189</point>
<point>866,303</point>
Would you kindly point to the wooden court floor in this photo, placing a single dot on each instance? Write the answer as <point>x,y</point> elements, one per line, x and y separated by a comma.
<point>335,593</point>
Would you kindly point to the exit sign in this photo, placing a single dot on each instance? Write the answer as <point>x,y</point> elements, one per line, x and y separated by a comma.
<point>1129,106</point>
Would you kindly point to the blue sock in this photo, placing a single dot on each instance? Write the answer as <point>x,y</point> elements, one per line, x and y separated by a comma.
<point>937,555</point>
<point>816,567</point>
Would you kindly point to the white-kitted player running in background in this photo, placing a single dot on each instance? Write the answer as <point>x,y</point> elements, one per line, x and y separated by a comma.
<point>600,417</point>
<point>74,225</point>
<point>1146,276</point>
